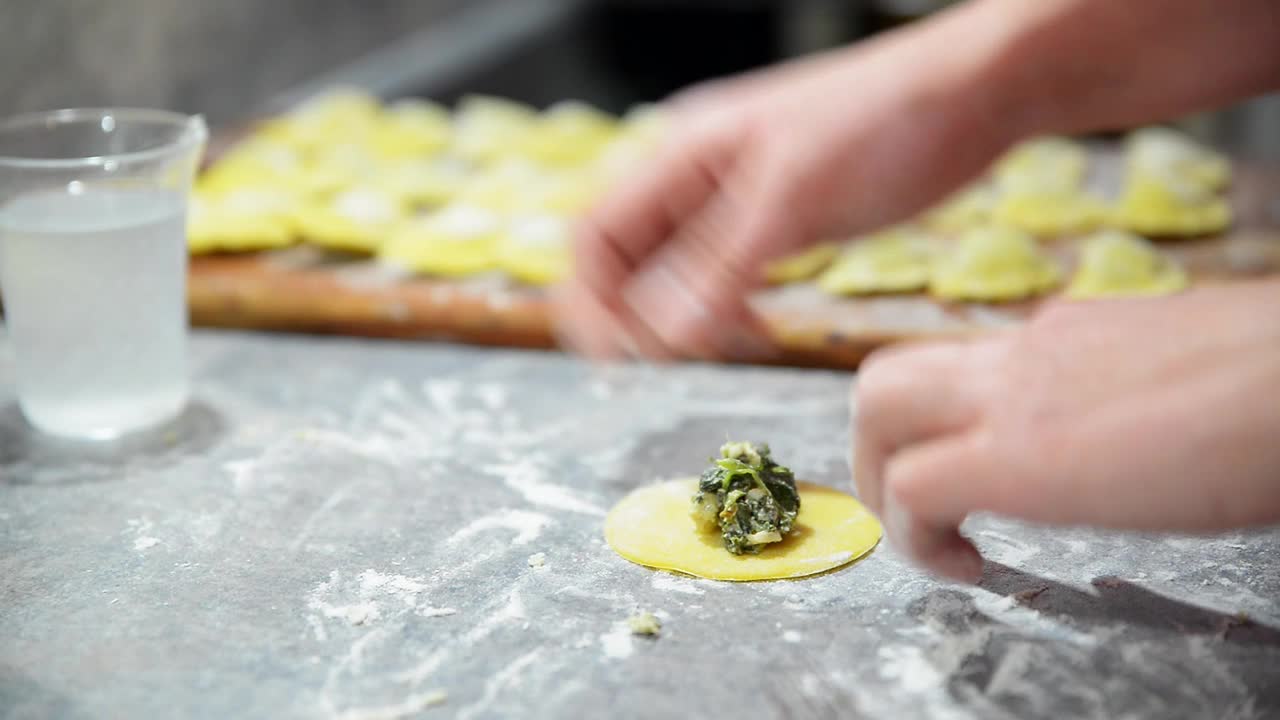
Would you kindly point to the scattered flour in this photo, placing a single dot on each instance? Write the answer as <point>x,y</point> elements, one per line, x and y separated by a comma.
<point>909,667</point>
<point>408,707</point>
<point>528,525</point>
<point>528,479</point>
<point>141,529</point>
<point>437,612</point>
<point>617,643</point>
<point>368,588</point>
<point>673,583</point>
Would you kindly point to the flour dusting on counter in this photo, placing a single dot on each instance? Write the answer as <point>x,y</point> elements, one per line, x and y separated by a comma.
<point>527,525</point>
<point>357,526</point>
<point>618,643</point>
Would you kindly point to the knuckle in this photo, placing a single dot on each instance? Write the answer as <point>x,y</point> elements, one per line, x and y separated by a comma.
<point>906,483</point>
<point>880,385</point>
<point>686,335</point>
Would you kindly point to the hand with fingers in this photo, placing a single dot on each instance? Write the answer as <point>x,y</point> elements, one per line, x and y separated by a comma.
<point>760,167</point>
<point>1140,414</point>
<point>1157,415</point>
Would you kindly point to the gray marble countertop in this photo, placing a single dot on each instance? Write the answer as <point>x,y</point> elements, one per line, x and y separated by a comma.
<point>342,529</point>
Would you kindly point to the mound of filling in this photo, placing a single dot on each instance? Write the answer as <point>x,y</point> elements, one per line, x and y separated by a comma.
<point>747,497</point>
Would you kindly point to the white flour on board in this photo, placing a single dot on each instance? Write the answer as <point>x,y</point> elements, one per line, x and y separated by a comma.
<point>141,529</point>
<point>618,643</point>
<point>527,525</point>
<point>675,583</point>
<point>528,478</point>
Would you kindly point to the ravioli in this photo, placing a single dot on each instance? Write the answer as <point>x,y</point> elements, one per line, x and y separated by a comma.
<point>801,266</point>
<point>502,187</point>
<point>571,193</point>
<point>241,220</point>
<point>652,527</point>
<point>488,128</point>
<point>253,163</point>
<point>336,115</point>
<point>457,241</point>
<point>1050,213</point>
<point>412,128</point>
<point>993,264</point>
<point>1115,263</point>
<point>568,134</point>
<point>1169,206</point>
<point>537,249</point>
<point>355,220</point>
<point>894,261</point>
<point>424,182</point>
<point>1048,163</point>
<point>642,131</point>
<point>970,207</point>
<point>1167,152</point>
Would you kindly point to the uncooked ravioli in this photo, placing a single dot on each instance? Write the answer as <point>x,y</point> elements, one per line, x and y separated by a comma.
<point>1115,264</point>
<point>652,527</point>
<point>803,265</point>
<point>893,261</point>
<point>993,264</point>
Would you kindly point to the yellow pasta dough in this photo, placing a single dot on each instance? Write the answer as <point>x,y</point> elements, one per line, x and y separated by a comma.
<point>337,115</point>
<point>1049,163</point>
<point>652,527</point>
<point>536,250</point>
<point>1050,213</point>
<point>355,220</point>
<point>568,134</point>
<point>897,260</point>
<point>412,128</point>
<point>993,264</point>
<point>457,241</point>
<point>424,182</point>
<point>1167,152</point>
<point>487,128</point>
<point>968,208</point>
<point>1115,263</point>
<point>241,220</point>
<point>1169,206</point>
<point>801,266</point>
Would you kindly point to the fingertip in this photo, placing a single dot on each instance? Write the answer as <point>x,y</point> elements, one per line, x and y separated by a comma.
<point>958,560</point>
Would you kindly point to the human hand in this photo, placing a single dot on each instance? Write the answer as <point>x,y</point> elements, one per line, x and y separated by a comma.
<point>762,166</point>
<point>1153,414</point>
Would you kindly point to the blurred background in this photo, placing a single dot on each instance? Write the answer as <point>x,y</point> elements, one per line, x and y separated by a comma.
<point>236,59</point>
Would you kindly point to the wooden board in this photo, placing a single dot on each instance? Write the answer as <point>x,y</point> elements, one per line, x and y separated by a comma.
<point>303,289</point>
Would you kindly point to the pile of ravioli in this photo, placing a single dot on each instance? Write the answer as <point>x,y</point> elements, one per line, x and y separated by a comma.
<point>988,242</point>
<point>494,186</point>
<point>490,186</point>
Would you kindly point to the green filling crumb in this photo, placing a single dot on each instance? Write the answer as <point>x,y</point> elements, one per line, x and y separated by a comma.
<point>644,624</point>
<point>750,499</point>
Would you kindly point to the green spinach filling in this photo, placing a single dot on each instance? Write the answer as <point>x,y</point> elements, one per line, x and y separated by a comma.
<point>747,497</point>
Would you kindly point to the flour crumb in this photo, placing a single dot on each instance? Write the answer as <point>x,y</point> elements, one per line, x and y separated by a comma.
<point>1026,597</point>
<point>143,543</point>
<point>360,614</point>
<point>433,698</point>
<point>616,643</point>
<point>644,624</point>
<point>437,612</point>
<point>538,560</point>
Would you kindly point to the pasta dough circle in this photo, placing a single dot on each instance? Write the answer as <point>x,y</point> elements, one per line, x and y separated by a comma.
<point>652,527</point>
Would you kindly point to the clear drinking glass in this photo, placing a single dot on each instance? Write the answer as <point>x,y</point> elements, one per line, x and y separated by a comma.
<point>93,264</point>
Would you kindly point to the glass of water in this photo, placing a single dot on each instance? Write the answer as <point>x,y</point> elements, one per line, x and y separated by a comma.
<point>93,262</point>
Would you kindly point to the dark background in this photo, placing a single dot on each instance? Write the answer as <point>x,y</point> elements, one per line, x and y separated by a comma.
<point>235,59</point>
